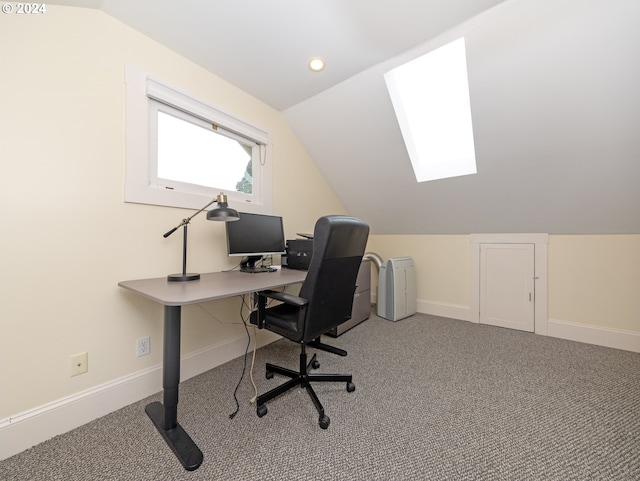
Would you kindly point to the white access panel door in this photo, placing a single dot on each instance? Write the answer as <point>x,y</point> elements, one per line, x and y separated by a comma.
<point>507,283</point>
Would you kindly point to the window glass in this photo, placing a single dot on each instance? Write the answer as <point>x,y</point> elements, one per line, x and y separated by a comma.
<point>430,96</point>
<point>196,153</point>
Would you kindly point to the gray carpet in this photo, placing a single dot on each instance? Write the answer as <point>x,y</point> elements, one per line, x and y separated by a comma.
<point>435,399</point>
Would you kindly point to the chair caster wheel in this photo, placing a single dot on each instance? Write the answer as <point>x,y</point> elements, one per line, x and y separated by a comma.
<point>324,422</point>
<point>315,364</point>
<point>261,410</point>
<point>351,387</point>
<point>269,375</point>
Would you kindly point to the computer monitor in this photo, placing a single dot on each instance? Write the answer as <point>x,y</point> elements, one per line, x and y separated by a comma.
<point>254,236</point>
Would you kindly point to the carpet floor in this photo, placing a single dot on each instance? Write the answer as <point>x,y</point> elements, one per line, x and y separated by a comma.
<point>435,399</point>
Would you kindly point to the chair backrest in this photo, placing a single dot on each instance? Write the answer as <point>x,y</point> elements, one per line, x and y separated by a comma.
<point>339,243</point>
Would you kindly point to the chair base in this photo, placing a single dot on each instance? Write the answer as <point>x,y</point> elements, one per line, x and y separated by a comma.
<point>316,343</point>
<point>302,378</point>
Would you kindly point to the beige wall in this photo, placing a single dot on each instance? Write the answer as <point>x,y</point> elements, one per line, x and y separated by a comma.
<point>67,235</point>
<point>595,280</point>
<point>442,264</point>
<point>592,280</point>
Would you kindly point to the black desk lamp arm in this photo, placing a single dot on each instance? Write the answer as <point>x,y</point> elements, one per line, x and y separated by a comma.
<point>188,219</point>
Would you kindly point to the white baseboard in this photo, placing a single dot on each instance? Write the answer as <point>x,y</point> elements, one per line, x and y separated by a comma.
<point>442,309</point>
<point>34,426</point>
<point>600,336</point>
<point>572,331</point>
<point>435,308</point>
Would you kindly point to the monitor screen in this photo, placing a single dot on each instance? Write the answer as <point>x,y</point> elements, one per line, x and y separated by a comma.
<point>255,235</point>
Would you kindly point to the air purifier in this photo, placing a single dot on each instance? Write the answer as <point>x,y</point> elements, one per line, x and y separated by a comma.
<point>397,289</point>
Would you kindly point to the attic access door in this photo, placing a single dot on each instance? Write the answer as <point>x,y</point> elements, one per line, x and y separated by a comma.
<point>507,285</point>
<point>541,243</point>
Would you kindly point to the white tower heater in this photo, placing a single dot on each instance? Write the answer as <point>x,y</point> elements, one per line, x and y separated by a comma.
<point>397,289</point>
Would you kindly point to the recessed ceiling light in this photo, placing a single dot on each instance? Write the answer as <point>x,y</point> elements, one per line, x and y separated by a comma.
<point>316,64</point>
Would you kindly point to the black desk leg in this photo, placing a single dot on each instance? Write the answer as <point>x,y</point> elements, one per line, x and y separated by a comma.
<point>165,417</point>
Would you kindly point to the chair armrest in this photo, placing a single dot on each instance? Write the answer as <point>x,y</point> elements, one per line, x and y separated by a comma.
<point>258,317</point>
<point>285,297</point>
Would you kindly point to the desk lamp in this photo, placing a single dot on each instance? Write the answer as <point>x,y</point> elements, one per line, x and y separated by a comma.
<point>221,213</point>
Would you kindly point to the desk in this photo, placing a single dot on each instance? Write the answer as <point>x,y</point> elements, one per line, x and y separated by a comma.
<point>174,295</point>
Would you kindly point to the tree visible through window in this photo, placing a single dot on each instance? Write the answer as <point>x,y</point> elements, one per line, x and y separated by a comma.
<point>246,184</point>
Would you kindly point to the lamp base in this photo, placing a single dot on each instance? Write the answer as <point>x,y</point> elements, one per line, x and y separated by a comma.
<point>183,277</point>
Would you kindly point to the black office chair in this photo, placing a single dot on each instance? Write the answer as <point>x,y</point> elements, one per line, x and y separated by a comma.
<point>325,301</point>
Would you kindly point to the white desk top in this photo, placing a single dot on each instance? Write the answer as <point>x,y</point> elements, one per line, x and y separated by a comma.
<point>211,286</point>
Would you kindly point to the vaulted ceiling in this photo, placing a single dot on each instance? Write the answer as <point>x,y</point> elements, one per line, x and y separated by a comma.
<point>554,97</point>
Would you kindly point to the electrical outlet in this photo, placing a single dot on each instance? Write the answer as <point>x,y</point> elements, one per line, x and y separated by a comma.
<point>79,363</point>
<point>144,346</point>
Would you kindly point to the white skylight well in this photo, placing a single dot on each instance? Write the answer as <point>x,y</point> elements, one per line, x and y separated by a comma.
<point>430,96</point>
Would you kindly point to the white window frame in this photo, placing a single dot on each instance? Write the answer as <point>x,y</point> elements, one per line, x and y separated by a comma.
<point>144,94</point>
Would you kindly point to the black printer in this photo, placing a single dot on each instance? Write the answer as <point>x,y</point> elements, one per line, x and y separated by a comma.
<point>299,252</point>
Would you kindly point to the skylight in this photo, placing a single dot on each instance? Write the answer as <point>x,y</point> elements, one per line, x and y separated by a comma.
<point>430,96</point>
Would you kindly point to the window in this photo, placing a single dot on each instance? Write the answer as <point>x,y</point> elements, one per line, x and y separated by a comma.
<point>182,152</point>
<point>430,96</point>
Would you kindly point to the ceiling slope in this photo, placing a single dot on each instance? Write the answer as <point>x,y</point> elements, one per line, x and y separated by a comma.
<point>556,116</point>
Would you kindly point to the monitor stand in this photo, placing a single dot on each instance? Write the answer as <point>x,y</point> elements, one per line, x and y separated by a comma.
<point>249,265</point>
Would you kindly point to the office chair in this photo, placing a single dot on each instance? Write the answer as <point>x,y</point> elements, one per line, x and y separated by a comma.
<point>324,301</point>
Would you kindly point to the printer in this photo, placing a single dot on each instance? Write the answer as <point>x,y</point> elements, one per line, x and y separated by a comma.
<point>299,252</point>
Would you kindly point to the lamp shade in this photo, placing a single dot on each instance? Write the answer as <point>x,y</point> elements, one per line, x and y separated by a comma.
<point>223,212</point>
